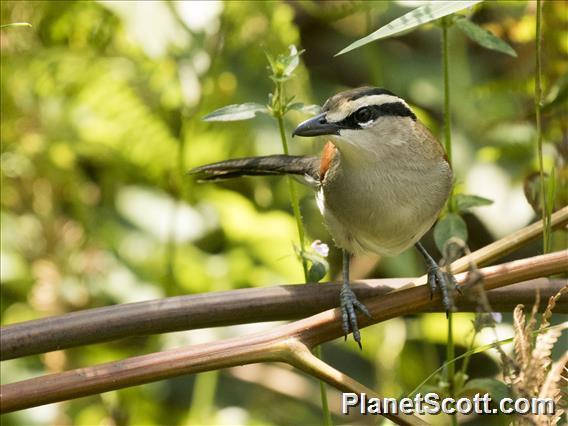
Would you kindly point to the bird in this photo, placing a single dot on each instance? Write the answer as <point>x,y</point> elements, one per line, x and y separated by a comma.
<point>381,181</point>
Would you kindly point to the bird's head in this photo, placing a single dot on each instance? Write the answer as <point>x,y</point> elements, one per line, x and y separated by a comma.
<point>362,117</point>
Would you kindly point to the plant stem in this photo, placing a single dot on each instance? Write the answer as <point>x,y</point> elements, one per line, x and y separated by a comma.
<point>294,201</point>
<point>538,105</point>
<point>447,116</point>
<point>292,189</point>
<point>465,363</point>
<point>451,353</point>
<point>323,394</point>
<point>447,113</point>
<point>450,347</point>
<point>203,399</point>
<point>281,110</point>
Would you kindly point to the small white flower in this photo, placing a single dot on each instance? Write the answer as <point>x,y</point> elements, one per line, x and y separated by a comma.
<point>497,317</point>
<point>320,248</point>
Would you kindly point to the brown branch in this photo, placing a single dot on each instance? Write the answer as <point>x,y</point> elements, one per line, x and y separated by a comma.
<point>277,344</point>
<point>510,243</point>
<point>504,246</point>
<point>300,356</point>
<point>382,308</point>
<point>215,309</point>
<point>224,308</point>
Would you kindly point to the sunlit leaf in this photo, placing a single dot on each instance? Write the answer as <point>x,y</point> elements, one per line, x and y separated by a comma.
<point>308,109</point>
<point>451,225</point>
<point>467,201</point>
<point>291,61</point>
<point>271,61</point>
<point>483,37</point>
<point>237,112</point>
<point>284,65</point>
<point>15,24</point>
<point>412,20</point>
<point>557,97</point>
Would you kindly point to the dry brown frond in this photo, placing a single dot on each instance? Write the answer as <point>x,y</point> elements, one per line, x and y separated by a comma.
<point>531,324</point>
<point>551,387</point>
<point>541,360</point>
<point>545,321</point>
<point>535,375</point>
<point>521,341</point>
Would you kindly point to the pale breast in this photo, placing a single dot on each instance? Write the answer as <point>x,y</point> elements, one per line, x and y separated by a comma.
<point>383,209</point>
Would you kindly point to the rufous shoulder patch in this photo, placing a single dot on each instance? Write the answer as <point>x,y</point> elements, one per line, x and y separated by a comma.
<point>327,155</point>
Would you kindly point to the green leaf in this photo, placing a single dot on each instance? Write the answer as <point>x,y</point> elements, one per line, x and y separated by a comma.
<point>271,61</point>
<point>557,96</point>
<point>465,201</point>
<point>451,225</point>
<point>412,20</point>
<point>237,112</point>
<point>284,65</point>
<point>498,390</point>
<point>291,61</point>
<point>483,37</point>
<point>15,24</point>
<point>308,109</point>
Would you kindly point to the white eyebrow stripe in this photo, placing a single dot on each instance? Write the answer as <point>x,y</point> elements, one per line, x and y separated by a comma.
<point>346,108</point>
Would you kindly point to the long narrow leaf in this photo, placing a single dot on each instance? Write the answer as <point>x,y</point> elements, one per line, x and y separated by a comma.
<point>308,109</point>
<point>483,37</point>
<point>236,112</point>
<point>412,20</point>
<point>16,24</point>
<point>465,202</point>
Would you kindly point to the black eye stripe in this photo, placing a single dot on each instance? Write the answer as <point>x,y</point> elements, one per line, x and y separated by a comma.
<point>397,109</point>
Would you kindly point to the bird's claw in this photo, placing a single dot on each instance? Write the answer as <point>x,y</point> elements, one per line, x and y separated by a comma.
<point>350,303</point>
<point>445,282</point>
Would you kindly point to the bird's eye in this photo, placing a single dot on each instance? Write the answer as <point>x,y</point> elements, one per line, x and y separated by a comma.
<point>363,115</point>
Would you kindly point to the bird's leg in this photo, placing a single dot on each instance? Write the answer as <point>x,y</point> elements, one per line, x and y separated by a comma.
<point>438,279</point>
<point>349,304</point>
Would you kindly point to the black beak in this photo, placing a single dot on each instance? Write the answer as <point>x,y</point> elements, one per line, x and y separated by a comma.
<point>316,126</point>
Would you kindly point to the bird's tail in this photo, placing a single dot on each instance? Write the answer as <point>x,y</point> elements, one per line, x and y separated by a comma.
<point>259,166</point>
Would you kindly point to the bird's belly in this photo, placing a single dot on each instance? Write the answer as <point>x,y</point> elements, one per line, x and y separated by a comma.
<point>384,216</point>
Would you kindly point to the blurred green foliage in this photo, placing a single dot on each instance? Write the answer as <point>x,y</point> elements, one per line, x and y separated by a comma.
<point>101,118</point>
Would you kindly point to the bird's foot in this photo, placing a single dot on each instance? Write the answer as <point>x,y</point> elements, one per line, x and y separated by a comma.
<point>445,282</point>
<point>350,303</point>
